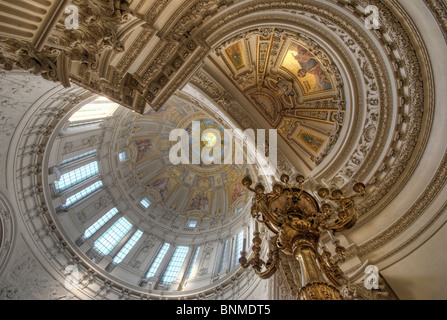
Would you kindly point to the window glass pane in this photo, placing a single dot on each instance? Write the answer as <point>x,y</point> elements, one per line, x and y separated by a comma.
<point>193,262</point>
<point>75,176</point>
<point>100,108</point>
<point>82,194</point>
<point>237,248</point>
<point>128,246</point>
<point>123,156</point>
<point>84,123</point>
<point>146,202</point>
<point>157,261</point>
<point>224,254</point>
<point>100,222</point>
<point>79,156</point>
<point>112,237</point>
<point>175,265</point>
<point>192,223</point>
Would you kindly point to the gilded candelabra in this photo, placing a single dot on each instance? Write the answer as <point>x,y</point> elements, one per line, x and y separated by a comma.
<point>297,220</point>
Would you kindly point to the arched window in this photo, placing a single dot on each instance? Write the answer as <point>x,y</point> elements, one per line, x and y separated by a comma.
<point>223,257</point>
<point>100,108</point>
<point>192,223</point>
<point>123,156</point>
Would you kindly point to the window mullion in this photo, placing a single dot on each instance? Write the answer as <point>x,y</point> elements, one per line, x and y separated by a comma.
<point>189,266</point>
<point>108,240</point>
<point>110,211</point>
<point>80,186</point>
<point>130,241</point>
<point>104,228</point>
<point>164,263</point>
<point>123,241</point>
<point>76,164</point>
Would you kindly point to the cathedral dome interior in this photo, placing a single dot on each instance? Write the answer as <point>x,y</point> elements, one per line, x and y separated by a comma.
<point>336,92</point>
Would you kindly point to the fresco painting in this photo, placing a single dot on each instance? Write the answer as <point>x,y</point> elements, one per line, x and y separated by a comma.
<point>161,185</point>
<point>144,148</point>
<point>311,140</point>
<point>306,69</point>
<point>199,202</point>
<point>236,55</point>
<point>238,191</point>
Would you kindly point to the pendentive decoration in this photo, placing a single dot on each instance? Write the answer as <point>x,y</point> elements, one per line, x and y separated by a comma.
<point>297,220</point>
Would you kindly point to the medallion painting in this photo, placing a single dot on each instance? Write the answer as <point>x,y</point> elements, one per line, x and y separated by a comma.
<point>238,191</point>
<point>311,140</point>
<point>236,55</point>
<point>162,186</point>
<point>306,69</point>
<point>199,202</point>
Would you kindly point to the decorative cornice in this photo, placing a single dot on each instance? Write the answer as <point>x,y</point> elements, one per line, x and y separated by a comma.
<point>439,10</point>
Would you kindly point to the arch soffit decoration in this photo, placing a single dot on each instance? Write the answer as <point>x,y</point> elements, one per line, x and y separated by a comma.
<point>394,154</point>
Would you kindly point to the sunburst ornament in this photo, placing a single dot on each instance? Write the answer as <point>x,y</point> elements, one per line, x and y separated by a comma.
<point>209,139</point>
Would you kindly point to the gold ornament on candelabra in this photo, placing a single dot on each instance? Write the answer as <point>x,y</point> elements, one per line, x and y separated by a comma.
<point>298,220</point>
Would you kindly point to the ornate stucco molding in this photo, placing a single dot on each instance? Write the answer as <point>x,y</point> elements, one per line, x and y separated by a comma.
<point>7,231</point>
<point>439,10</point>
<point>403,154</point>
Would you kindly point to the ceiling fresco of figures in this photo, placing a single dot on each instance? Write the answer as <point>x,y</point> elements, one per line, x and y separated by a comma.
<point>209,193</point>
<point>297,91</point>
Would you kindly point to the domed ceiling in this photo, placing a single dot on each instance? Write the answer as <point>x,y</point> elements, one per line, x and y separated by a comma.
<point>208,193</point>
